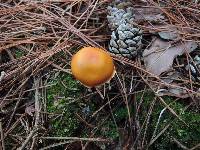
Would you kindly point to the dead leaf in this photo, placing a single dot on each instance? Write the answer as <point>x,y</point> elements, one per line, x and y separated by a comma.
<point>30,110</point>
<point>177,92</point>
<point>160,55</point>
<point>169,34</point>
<point>148,14</point>
<point>171,76</point>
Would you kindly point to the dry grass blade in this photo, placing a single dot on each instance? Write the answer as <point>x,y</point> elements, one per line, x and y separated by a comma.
<point>180,145</point>
<point>32,133</point>
<point>77,139</point>
<point>159,134</point>
<point>55,145</point>
<point>2,137</point>
<point>195,147</point>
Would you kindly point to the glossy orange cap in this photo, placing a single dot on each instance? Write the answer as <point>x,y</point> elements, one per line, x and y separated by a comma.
<point>92,66</point>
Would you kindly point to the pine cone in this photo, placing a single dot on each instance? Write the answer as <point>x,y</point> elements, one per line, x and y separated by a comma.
<point>194,67</point>
<point>126,37</point>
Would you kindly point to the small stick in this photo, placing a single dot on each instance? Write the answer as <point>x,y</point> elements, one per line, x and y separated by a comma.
<point>77,139</point>
<point>37,108</point>
<point>180,144</point>
<point>2,137</point>
<point>99,92</point>
<point>32,133</point>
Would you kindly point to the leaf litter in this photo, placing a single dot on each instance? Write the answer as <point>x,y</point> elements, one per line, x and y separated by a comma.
<point>49,33</point>
<point>159,57</point>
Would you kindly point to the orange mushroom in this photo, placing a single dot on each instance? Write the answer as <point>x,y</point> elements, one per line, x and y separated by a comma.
<point>92,66</point>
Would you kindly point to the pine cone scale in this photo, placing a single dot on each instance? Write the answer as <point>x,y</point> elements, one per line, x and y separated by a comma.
<point>126,37</point>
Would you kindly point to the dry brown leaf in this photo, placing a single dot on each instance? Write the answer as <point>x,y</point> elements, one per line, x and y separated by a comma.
<point>148,14</point>
<point>177,92</point>
<point>169,33</point>
<point>160,55</point>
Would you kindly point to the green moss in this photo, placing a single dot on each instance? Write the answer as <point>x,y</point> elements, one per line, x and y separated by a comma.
<point>121,113</point>
<point>65,90</point>
<point>187,135</point>
<point>109,130</point>
<point>19,53</point>
<point>61,96</point>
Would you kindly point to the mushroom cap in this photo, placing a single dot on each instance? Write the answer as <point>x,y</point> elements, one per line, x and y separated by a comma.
<point>92,66</point>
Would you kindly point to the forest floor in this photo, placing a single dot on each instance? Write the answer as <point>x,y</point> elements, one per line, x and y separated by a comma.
<point>151,103</point>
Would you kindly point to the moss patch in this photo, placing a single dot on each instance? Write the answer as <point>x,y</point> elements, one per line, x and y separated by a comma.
<point>62,97</point>
<point>187,135</point>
